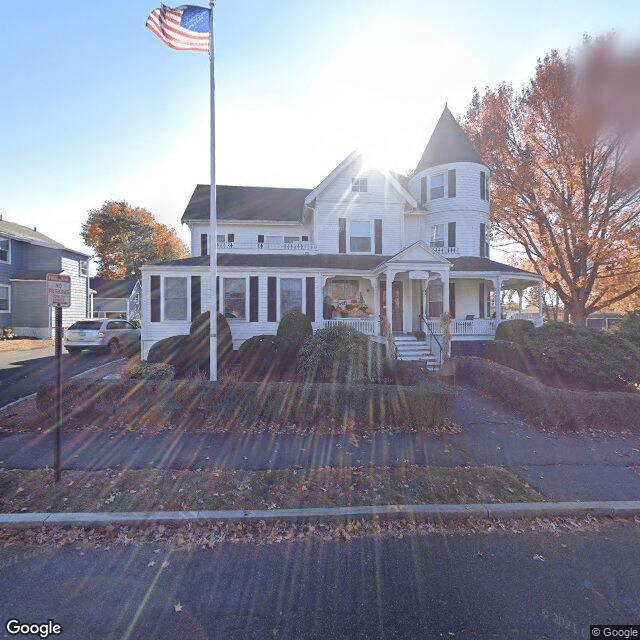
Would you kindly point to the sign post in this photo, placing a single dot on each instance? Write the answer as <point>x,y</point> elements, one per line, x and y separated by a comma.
<point>58,296</point>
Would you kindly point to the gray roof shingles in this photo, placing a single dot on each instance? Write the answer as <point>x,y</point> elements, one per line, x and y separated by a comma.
<point>448,143</point>
<point>331,261</point>
<point>247,203</point>
<point>112,288</point>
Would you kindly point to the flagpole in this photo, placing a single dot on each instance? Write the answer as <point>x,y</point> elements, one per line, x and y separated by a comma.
<point>213,306</point>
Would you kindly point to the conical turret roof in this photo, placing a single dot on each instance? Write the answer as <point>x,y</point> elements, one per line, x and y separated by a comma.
<point>448,143</point>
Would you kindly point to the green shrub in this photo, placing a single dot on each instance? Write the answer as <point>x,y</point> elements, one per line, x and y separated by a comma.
<point>629,323</point>
<point>573,357</point>
<point>199,333</point>
<point>340,354</point>
<point>176,351</point>
<point>266,357</point>
<point>149,371</point>
<point>515,330</point>
<point>296,327</point>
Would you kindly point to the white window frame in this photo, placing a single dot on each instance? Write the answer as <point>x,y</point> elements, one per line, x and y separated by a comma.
<point>437,239</point>
<point>281,312</point>
<point>438,186</point>
<point>433,299</point>
<point>8,240</point>
<point>223,291</point>
<point>187,299</point>
<point>221,237</point>
<point>369,236</point>
<point>359,185</point>
<point>83,268</point>
<point>8,288</point>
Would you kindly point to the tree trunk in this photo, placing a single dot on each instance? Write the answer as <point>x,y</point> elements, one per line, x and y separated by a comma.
<point>578,315</point>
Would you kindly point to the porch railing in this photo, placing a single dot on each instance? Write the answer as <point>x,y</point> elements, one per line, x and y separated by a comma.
<point>476,327</point>
<point>369,326</point>
<point>432,338</point>
<point>310,247</point>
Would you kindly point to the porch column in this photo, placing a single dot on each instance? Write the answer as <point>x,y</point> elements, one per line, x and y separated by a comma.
<point>497,285</point>
<point>540,299</point>
<point>445,291</point>
<point>390,276</point>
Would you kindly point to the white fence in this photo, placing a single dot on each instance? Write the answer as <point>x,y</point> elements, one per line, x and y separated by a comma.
<point>369,326</point>
<point>477,327</point>
<point>308,247</point>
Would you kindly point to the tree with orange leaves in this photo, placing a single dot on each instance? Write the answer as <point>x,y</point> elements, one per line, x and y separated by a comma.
<point>125,237</point>
<point>565,179</point>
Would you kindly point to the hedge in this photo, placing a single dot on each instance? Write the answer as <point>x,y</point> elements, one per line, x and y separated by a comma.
<point>239,407</point>
<point>549,406</point>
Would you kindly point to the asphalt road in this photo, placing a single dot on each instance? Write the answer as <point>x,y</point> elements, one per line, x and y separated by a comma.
<point>483,586</point>
<point>24,372</point>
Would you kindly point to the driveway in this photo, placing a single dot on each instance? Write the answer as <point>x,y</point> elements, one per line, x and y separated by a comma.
<point>24,372</point>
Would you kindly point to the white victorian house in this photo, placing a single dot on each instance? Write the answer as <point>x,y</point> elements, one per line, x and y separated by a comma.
<point>372,249</point>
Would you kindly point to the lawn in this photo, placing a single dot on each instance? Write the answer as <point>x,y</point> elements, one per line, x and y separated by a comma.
<point>173,490</point>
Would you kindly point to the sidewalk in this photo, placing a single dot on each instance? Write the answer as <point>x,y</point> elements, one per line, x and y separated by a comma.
<point>562,468</point>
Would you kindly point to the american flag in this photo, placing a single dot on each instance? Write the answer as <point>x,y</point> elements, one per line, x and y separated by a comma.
<point>185,28</point>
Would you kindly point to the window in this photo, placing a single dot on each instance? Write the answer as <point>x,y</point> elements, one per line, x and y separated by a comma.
<point>83,267</point>
<point>203,244</point>
<point>437,186</point>
<point>5,298</point>
<point>220,237</point>
<point>291,239</point>
<point>359,185</point>
<point>484,186</point>
<point>434,300</point>
<point>231,237</point>
<point>235,295</point>
<point>5,250</point>
<point>451,183</point>
<point>175,298</point>
<point>360,239</point>
<point>437,235</point>
<point>155,298</point>
<point>344,289</point>
<point>290,295</point>
<point>274,241</point>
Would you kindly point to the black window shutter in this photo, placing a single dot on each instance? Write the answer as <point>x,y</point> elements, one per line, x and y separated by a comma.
<point>342,235</point>
<point>217,294</point>
<point>260,239</point>
<point>451,240</point>
<point>311,299</point>
<point>305,238</point>
<point>481,300</point>
<point>203,244</point>
<point>196,296</point>
<point>155,298</point>
<point>482,240</point>
<point>377,225</point>
<point>231,237</point>
<point>451,178</point>
<point>452,299</point>
<point>253,298</point>
<point>483,185</point>
<point>271,299</point>
<point>423,190</point>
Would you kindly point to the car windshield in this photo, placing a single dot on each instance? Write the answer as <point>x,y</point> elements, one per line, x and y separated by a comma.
<point>87,325</point>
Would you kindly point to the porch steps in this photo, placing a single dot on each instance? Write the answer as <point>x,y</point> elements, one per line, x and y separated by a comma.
<point>409,348</point>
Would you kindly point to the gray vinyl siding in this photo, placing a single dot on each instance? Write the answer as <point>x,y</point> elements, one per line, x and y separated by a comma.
<point>29,304</point>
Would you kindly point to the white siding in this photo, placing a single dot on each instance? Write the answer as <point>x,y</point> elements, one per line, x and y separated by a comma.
<point>338,200</point>
<point>78,308</point>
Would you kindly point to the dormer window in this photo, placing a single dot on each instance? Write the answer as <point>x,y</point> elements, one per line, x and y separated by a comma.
<point>484,186</point>
<point>437,186</point>
<point>360,236</point>
<point>359,185</point>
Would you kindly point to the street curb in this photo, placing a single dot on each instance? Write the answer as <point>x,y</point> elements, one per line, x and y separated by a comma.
<point>437,512</point>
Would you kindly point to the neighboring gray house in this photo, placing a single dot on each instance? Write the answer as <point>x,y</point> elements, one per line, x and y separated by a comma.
<point>116,298</point>
<point>26,256</point>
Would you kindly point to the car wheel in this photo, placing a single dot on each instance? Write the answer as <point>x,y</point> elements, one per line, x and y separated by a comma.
<point>114,347</point>
<point>73,351</point>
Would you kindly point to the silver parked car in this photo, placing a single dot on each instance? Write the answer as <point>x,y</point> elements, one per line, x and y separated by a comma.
<point>102,334</point>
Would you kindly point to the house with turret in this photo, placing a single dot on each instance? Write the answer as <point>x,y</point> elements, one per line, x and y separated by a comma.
<point>385,253</point>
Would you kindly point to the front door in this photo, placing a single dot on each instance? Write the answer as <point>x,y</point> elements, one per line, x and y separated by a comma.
<point>396,308</point>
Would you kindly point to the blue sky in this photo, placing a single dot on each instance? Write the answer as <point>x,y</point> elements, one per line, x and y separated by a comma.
<point>94,107</point>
